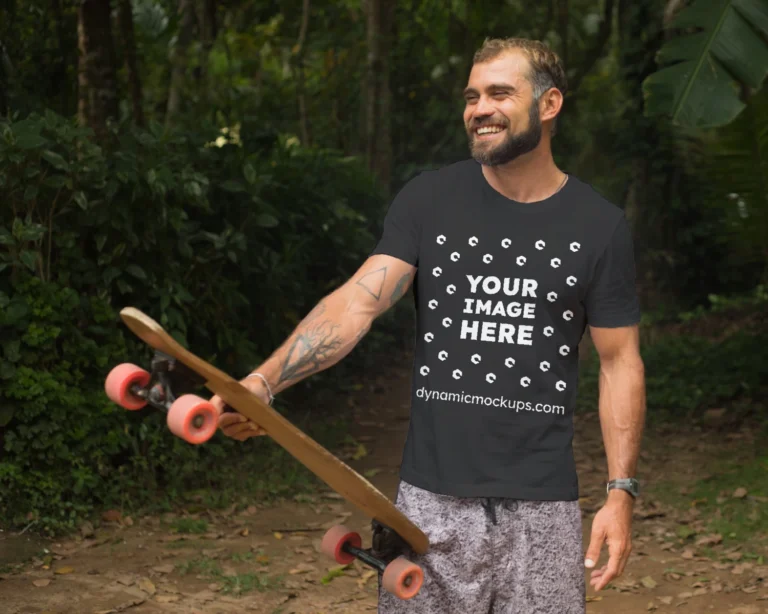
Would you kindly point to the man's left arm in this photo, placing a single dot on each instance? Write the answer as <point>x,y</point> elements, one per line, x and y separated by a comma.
<point>622,417</point>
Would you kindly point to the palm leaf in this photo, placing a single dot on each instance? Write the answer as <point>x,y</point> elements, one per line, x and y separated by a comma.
<point>723,48</point>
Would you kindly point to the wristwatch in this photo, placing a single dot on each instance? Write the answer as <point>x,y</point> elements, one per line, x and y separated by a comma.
<point>631,485</point>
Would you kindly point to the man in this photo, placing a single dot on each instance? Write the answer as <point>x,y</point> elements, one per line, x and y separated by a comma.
<point>515,258</point>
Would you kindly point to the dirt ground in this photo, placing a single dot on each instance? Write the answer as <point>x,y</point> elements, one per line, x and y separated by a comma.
<point>265,558</point>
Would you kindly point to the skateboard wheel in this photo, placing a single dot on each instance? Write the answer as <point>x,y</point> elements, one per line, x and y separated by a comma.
<point>119,382</point>
<point>402,578</point>
<point>334,540</point>
<point>193,419</point>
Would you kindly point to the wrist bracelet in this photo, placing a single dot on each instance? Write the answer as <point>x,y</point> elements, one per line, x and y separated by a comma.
<point>266,383</point>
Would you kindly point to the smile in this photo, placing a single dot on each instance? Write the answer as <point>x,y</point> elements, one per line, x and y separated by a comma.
<point>488,131</point>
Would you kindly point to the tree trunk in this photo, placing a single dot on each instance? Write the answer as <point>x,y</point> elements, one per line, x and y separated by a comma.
<point>562,29</point>
<point>208,28</point>
<point>300,84</point>
<point>125,22</point>
<point>640,36</point>
<point>97,71</point>
<point>5,80</point>
<point>179,59</point>
<point>378,138</point>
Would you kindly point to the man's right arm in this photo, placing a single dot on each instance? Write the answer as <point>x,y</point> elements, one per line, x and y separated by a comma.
<point>328,333</point>
<point>338,322</point>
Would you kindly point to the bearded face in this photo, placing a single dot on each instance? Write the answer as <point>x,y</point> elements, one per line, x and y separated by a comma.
<point>493,142</point>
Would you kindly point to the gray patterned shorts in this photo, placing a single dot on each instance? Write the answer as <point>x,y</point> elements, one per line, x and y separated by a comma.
<point>493,556</point>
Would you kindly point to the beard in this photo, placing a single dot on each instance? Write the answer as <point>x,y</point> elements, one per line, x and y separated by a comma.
<point>513,145</point>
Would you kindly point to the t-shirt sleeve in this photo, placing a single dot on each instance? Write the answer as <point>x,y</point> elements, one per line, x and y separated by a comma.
<point>401,235</point>
<point>612,299</point>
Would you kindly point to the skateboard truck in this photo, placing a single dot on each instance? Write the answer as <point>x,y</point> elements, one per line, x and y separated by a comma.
<point>386,547</point>
<point>165,388</point>
<point>398,575</point>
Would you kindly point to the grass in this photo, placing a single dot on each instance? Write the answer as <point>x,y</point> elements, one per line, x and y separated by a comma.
<point>238,583</point>
<point>189,526</point>
<point>740,520</point>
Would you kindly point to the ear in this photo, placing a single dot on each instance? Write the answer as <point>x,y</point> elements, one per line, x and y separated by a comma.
<point>550,104</point>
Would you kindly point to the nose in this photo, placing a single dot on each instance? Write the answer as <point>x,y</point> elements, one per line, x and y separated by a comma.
<point>483,108</point>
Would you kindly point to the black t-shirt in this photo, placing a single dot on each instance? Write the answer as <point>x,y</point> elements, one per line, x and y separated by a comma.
<point>504,291</point>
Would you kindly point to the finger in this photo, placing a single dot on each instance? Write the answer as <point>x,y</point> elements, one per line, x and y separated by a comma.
<point>218,403</point>
<point>610,573</point>
<point>236,430</point>
<point>598,572</point>
<point>595,545</point>
<point>625,557</point>
<point>244,429</point>
<point>231,418</point>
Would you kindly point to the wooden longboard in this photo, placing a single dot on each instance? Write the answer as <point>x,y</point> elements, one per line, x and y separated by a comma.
<point>338,475</point>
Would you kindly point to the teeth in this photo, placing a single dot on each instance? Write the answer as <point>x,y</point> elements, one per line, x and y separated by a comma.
<point>489,130</point>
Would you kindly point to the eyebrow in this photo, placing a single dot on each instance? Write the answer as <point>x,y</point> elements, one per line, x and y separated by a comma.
<point>493,86</point>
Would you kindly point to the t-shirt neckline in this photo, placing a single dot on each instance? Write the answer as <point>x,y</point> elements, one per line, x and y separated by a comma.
<point>497,199</point>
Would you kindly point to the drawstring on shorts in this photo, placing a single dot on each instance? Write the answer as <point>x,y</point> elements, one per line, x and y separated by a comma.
<point>491,503</point>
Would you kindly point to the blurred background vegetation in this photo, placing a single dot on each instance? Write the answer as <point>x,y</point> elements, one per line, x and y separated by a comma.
<point>222,165</point>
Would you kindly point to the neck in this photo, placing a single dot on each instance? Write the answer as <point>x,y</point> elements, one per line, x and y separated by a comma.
<point>529,178</point>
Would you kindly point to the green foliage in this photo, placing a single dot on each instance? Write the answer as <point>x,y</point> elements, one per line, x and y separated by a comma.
<point>60,434</point>
<point>686,374</point>
<point>238,583</point>
<point>189,525</point>
<point>227,246</point>
<point>734,165</point>
<point>736,519</point>
<point>724,48</point>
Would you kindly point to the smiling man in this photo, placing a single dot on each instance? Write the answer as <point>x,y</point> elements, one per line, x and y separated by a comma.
<point>510,259</point>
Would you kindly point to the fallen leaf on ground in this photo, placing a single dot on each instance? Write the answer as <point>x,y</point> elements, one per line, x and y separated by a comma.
<point>64,570</point>
<point>86,529</point>
<point>741,568</point>
<point>147,586</point>
<point>665,600</point>
<point>122,607</point>
<point>740,493</point>
<point>278,535</point>
<point>709,540</point>
<point>363,580</point>
<point>648,582</point>
<point>126,580</point>
<point>167,598</point>
<point>163,568</point>
<point>112,516</point>
<point>41,583</point>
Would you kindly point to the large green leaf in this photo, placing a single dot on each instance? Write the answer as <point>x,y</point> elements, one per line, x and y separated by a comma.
<point>722,48</point>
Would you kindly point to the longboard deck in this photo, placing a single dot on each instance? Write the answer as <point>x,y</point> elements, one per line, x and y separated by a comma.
<point>337,474</point>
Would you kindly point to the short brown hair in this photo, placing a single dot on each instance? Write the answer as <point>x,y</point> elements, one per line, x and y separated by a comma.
<point>547,68</point>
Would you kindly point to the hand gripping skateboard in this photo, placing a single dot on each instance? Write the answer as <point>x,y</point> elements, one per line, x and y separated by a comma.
<point>175,370</point>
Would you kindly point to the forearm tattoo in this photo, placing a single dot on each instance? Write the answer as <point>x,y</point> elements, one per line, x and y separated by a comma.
<point>311,348</point>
